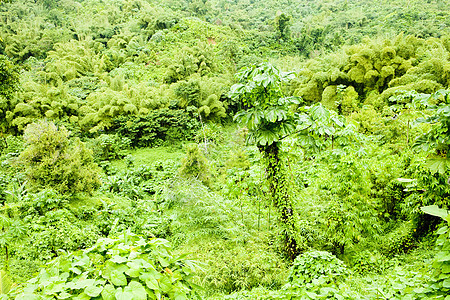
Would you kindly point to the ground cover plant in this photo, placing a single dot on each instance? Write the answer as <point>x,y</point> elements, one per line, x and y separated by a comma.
<point>211,149</point>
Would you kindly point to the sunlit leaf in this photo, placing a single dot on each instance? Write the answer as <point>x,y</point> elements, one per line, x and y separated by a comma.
<point>434,210</point>
<point>93,291</point>
<point>118,278</point>
<point>5,283</point>
<point>108,292</point>
<point>438,165</point>
<point>137,290</point>
<point>319,112</point>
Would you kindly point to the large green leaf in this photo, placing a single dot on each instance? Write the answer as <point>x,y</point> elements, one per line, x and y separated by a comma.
<point>406,180</point>
<point>289,100</point>
<point>443,257</point>
<point>338,120</point>
<point>108,292</point>
<point>434,210</point>
<point>266,137</point>
<point>275,114</point>
<point>235,90</point>
<point>152,283</point>
<point>319,113</point>
<point>151,279</point>
<point>82,296</point>
<point>137,290</point>
<point>438,165</point>
<point>118,278</point>
<point>93,291</point>
<point>446,283</point>
<point>165,284</point>
<point>134,271</point>
<point>123,295</point>
<point>286,129</point>
<point>181,296</point>
<point>80,284</point>
<point>64,295</point>
<point>28,297</point>
<point>5,283</point>
<point>118,259</point>
<point>250,118</point>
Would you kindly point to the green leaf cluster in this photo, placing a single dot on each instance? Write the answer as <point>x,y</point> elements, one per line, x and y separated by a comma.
<point>198,59</point>
<point>437,138</point>
<point>126,267</point>
<point>373,71</point>
<point>439,284</point>
<point>317,265</point>
<point>266,113</point>
<point>173,125</point>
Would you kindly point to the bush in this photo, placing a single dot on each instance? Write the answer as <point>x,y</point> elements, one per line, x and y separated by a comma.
<point>40,203</point>
<point>234,267</point>
<point>317,265</point>
<point>439,285</point>
<point>57,231</point>
<point>195,165</point>
<point>12,146</point>
<point>109,146</point>
<point>127,267</point>
<point>157,126</point>
<point>3,186</point>
<point>52,160</point>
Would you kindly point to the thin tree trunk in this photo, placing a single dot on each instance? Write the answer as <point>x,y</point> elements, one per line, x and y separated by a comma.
<point>407,134</point>
<point>7,257</point>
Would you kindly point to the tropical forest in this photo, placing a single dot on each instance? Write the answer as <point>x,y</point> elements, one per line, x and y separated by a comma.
<point>224,149</point>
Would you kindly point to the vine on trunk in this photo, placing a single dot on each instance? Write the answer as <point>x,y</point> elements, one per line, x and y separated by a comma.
<point>279,196</point>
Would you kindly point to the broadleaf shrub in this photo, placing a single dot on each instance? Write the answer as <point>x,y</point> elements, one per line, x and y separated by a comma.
<point>439,285</point>
<point>127,267</point>
<point>317,265</point>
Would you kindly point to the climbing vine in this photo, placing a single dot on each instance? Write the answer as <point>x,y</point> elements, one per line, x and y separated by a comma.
<point>279,195</point>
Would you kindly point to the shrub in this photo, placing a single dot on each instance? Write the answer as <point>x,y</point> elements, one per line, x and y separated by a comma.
<point>317,265</point>
<point>439,285</point>
<point>40,203</point>
<point>3,186</point>
<point>13,145</point>
<point>124,184</point>
<point>210,133</point>
<point>127,267</point>
<point>109,146</point>
<point>52,160</point>
<point>232,267</point>
<point>9,77</point>
<point>157,126</point>
<point>57,231</point>
<point>367,261</point>
<point>195,164</point>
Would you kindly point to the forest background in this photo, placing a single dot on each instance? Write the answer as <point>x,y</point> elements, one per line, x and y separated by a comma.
<point>219,149</point>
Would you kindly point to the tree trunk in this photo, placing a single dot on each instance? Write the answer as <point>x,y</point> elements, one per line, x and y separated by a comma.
<point>407,134</point>
<point>7,257</point>
<point>279,194</point>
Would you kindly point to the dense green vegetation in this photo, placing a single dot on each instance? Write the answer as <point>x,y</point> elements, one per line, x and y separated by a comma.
<point>216,149</point>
